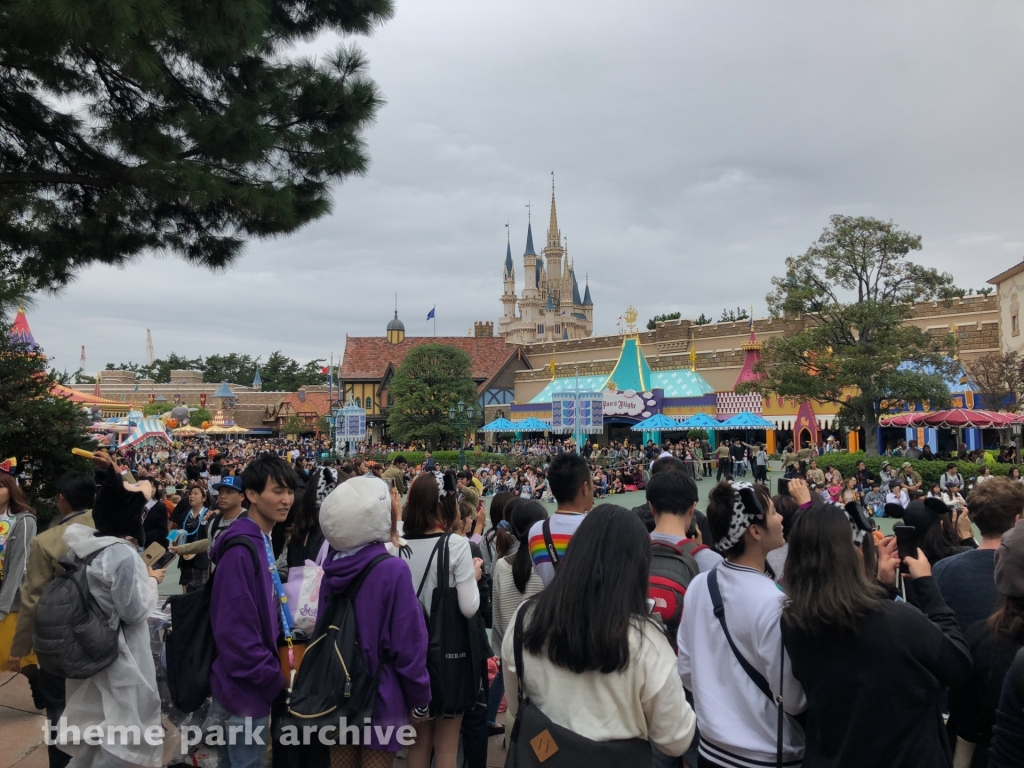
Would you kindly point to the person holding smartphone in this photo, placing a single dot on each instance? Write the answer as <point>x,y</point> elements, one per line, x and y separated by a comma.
<point>851,648</point>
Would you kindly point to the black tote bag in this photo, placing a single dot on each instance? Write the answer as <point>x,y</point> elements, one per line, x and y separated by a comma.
<point>451,657</point>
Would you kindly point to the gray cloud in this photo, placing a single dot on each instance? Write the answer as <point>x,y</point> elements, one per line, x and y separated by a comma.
<point>695,145</point>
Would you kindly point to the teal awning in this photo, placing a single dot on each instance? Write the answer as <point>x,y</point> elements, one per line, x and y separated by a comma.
<point>657,423</point>
<point>499,425</point>
<point>530,425</point>
<point>701,421</point>
<point>746,420</point>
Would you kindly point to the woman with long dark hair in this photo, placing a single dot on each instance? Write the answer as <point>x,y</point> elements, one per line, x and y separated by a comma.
<point>305,539</point>
<point>498,540</point>
<point>594,661</point>
<point>941,532</point>
<point>429,514</point>
<point>872,669</point>
<point>514,581</point>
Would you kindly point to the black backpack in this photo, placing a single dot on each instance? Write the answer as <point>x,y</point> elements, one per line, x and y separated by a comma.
<point>189,644</point>
<point>672,570</point>
<point>453,655</point>
<point>333,681</point>
<point>73,637</point>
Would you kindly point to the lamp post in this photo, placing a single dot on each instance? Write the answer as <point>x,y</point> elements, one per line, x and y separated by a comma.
<point>461,419</point>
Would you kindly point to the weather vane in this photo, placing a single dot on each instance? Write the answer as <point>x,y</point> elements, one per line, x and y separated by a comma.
<point>630,316</point>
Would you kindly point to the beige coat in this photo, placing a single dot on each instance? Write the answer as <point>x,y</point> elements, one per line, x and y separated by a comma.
<point>44,551</point>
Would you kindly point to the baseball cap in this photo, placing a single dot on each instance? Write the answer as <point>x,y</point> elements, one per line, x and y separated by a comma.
<point>231,481</point>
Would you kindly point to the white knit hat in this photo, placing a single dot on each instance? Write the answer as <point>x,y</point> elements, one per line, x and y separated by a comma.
<point>357,512</point>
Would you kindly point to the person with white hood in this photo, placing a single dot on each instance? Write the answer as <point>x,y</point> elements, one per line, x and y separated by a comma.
<point>125,693</point>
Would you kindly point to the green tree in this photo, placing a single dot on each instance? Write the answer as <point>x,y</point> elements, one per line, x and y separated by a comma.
<point>232,368</point>
<point>702,320</point>
<point>279,373</point>
<point>854,288</point>
<point>294,426</point>
<point>999,376</point>
<point>37,427</point>
<point>282,374</point>
<point>198,416</point>
<point>733,315</point>
<point>160,369</point>
<point>156,409</point>
<point>431,379</point>
<point>173,125</point>
<point>653,322</point>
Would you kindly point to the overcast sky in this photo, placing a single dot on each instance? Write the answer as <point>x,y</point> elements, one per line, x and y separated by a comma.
<point>695,146</point>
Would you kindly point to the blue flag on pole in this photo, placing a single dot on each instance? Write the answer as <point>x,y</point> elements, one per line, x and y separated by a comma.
<point>430,314</point>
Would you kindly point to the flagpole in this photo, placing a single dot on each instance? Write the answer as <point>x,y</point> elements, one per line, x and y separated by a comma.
<point>434,312</point>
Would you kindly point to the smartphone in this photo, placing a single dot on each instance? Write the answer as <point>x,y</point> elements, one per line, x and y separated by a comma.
<point>906,543</point>
<point>152,554</point>
<point>163,561</point>
<point>783,486</point>
<point>390,481</point>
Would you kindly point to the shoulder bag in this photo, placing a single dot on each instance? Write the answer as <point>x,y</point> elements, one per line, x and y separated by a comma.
<point>536,740</point>
<point>758,679</point>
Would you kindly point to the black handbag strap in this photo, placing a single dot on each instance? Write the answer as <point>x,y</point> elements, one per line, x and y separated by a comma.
<point>549,543</point>
<point>758,679</point>
<point>440,541</point>
<point>517,650</point>
<point>444,562</point>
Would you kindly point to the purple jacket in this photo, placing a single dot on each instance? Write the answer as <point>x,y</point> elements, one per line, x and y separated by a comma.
<point>388,617</point>
<point>246,675</point>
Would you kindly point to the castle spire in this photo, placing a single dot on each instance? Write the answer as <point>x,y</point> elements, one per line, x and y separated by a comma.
<point>554,236</point>
<point>529,241</point>
<point>586,295</point>
<point>508,255</point>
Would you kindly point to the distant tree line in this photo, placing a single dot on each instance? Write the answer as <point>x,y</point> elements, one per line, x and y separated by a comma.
<point>278,372</point>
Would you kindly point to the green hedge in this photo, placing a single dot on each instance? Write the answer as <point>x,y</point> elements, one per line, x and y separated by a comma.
<point>930,471</point>
<point>474,458</point>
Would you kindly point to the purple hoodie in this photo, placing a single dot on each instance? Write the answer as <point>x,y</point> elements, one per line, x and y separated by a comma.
<point>246,675</point>
<point>388,617</point>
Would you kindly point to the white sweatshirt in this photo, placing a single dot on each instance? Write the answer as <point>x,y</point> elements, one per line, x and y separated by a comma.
<point>645,700</point>
<point>737,722</point>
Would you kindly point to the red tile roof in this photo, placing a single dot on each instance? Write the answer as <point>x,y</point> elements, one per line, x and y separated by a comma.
<point>367,357</point>
<point>316,402</point>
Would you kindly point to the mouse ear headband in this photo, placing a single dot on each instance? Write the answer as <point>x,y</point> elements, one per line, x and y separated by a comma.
<point>746,510</point>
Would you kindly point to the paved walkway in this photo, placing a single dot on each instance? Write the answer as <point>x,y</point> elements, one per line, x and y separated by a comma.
<point>21,725</point>
<point>21,734</point>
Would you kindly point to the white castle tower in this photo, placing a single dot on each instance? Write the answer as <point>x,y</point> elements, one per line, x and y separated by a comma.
<point>550,307</point>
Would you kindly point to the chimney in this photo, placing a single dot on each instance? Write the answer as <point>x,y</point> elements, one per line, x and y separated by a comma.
<point>483,330</point>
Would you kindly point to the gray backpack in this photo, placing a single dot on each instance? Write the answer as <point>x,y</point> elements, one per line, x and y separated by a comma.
<point>73,637</point>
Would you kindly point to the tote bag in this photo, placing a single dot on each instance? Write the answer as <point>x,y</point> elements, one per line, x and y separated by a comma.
<point>303,591</point>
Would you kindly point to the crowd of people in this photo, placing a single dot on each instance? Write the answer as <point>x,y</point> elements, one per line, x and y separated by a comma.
<point>763,630</point>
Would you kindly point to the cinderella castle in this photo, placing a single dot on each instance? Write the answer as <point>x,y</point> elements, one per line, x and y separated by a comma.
<point>550,307</point>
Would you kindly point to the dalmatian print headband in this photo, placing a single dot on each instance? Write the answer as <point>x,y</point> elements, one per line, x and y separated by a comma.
<point>439,477</point>
<point>854,514</point>
<point>328,482</point>
<point>746,509</point>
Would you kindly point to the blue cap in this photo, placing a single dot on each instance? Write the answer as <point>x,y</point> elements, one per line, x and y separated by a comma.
<point>231,481</point>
